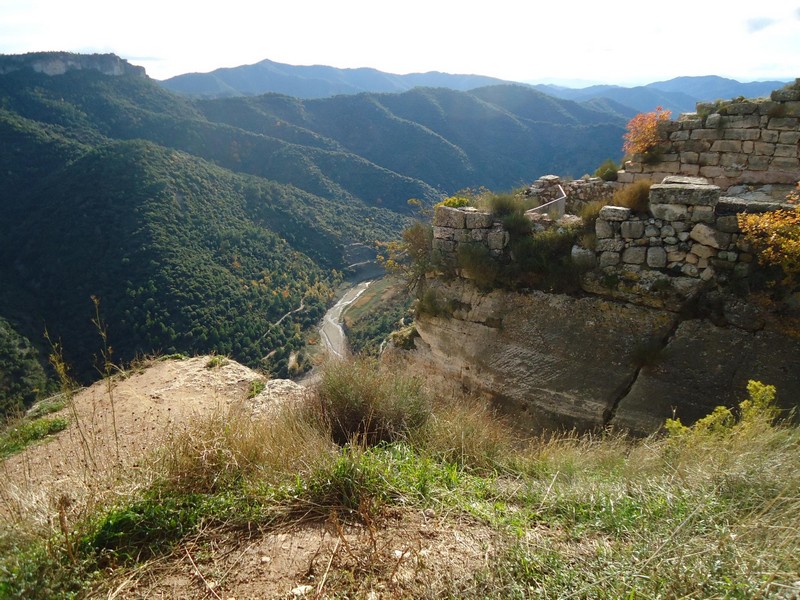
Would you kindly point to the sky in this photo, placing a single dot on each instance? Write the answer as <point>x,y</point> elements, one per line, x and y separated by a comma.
<point>564,41</point>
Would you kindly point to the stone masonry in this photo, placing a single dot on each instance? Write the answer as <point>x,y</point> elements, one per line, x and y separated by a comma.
<point>729,143</point>
<point>690,234</point>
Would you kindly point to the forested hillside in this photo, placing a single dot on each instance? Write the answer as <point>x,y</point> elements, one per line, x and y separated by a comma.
<point>198,224</point>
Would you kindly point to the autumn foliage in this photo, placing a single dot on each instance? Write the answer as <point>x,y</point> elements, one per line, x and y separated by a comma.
<point>775,236</point>
<point>642,134</point>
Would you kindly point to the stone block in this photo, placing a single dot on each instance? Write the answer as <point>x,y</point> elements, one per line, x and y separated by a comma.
<point>610,245</point>
<point>497,239</point>
<point>783,124</point>
<point>445,216</point>
<point>742,134</point>
<point>789,137</point>
<point>609,259</point>
<point>741,122</point>
<point>446,246</point>
<point>726,146</point>
<point>786,150</point>
<point>728,224</point>
<point>785,164</point>
<point>462,235</point>
<point>770,137</point>
<point>603,229</point>
<point>690,158</point>
<point>687,169</point>
<point>708,159</point>
<point>764,148</point>
<point>676,256</point>
<point>712,172</point>
<point>758,163</point>
<point>702,251</point>
<point>635,255</point>
<point>679,136</point>
<point>632,229</point>
<point>670,212</point>
<point>690,194</point>
<point>479,235</point>
<point>656,258</point>
<point>741,108</point>
<point>706,134</point>
<point>690,270</point>
<point>703,214</point>
<point>708,236</point>
<point>615,213</point>
<point>443,233</point>
<point>478,220</point>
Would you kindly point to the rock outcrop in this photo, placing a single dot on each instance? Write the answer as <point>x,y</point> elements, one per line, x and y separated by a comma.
<point>58,63</point>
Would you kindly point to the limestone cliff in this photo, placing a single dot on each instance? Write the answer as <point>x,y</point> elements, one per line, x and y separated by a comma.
<point>58,63</point>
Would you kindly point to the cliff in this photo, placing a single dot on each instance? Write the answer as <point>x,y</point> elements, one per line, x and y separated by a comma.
<point>642,341</point>
<point>58,63</point>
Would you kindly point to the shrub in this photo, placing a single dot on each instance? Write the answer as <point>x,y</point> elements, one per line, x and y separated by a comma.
<point>479,264</point>
<point>607,171</point>
<point>775,236</point>
<point>505,204</point>
<point>361,403</point>
<point>411,258</point>
<point>642,131</point>
<point>635,196</point>
<point>456,201</point>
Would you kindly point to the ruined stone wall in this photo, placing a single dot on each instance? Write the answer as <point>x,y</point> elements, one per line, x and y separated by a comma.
<point>689,235</point>
<point>579,192</point>
<point>731,143</point>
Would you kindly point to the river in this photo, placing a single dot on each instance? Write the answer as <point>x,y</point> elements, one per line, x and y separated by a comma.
<point>331,332</point>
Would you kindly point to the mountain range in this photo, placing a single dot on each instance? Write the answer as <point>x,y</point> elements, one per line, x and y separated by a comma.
<point>318,81</point>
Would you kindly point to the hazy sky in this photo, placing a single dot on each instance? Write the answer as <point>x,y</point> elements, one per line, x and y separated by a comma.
<point>610,42</point>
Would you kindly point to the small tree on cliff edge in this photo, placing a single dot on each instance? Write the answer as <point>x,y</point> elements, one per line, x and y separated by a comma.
<point>642,131</point>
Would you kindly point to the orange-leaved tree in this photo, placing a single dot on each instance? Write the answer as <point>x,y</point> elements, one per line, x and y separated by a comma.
<point>642,134</point>
<point>775,236</point>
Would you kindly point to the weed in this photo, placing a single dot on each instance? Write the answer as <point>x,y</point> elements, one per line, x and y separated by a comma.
<point>255,388</point>
<point>364,404</point>
<point>216,362</point>
<point>18,436</point>
<point>635,196</point>
<point>607,171</point>
<point>478,264</point>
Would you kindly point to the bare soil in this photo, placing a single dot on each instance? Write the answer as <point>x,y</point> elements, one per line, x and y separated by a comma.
<point>406,554</point>
<point>113,427</point>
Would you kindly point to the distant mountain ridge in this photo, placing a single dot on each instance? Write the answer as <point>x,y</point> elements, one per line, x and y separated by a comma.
<point>679,95</point>
<point>316,81</point>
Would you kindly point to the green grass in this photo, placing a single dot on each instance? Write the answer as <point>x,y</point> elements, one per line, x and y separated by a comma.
<point>20,434</point>
<point>707,511</point>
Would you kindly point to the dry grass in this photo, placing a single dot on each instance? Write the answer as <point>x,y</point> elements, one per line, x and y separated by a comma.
<point>457,506</point>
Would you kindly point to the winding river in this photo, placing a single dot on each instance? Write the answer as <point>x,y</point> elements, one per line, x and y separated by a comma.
<point>331,332</point>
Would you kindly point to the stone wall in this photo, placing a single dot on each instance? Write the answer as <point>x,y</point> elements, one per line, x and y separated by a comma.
<point>729,143</point>
<point>579,192</point>
<point>688,236</point>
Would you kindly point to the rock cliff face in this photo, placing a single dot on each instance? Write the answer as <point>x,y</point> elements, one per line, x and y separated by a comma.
<point>557,361</point>
<point>58,63</point>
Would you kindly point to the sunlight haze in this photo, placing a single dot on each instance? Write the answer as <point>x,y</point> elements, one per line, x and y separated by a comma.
<point>557,42</point>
